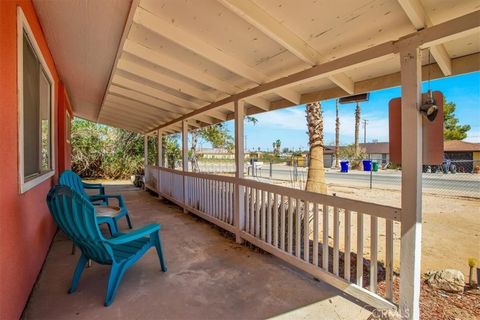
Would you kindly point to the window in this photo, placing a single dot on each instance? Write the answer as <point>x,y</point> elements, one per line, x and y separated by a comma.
<point>35,88</point>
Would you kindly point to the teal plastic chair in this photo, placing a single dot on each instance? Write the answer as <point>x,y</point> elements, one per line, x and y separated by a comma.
<point>76,216</point>
<point>72,180</point>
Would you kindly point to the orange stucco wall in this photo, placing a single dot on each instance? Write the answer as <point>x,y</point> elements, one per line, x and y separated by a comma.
<point>26,228</point>
<point>64,146</point>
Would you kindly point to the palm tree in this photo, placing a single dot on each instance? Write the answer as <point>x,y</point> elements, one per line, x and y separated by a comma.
<point>337,135</point>
<point>316,172</point>
<point>357,128</point>
<point>193,150</point>
<point>276,147</point>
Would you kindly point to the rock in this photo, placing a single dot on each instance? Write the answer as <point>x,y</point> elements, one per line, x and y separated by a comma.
<point>449,280</point>
<point>385,315</point>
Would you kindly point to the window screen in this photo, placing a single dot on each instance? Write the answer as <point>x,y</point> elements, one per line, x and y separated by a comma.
<point>45,121</point>
<point>36,114</point>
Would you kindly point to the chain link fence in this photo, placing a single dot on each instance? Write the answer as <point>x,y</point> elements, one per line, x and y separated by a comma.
<point>458,178</point>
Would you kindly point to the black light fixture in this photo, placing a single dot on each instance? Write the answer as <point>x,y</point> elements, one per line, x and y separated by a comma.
<point>355,98</point>
<point>429,108</point>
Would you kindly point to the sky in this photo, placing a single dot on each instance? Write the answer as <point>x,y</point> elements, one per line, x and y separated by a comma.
<point>289,125</point>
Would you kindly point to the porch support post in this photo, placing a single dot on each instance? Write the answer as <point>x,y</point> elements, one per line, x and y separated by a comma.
<point>145,152</point>
<point>411,229</point>
<point>185,160</point>
<point>160,148</point>
<point>159,160</point>
<point>239,212</point>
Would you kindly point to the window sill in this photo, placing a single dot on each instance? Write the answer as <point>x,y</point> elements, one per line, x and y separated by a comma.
<point>25,186</point>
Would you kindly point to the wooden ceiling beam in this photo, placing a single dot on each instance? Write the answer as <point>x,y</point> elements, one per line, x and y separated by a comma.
<point>279,33</point>
<point>170,31</point>
<point>177,66</point>
<point>129,112</point>
<point>440,33</point>
<point>145,124</point>
<point>147,100</point>
<point>164,80</point>
<point>205,118</point>
<point>259,102</point>
<point>142,108</point>
<point>183,104</point>
<point>121,125</point>
<point>193,43</point>
<point>420,20</point>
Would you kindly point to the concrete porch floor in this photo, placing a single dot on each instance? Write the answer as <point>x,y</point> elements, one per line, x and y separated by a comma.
<point>209,277</point>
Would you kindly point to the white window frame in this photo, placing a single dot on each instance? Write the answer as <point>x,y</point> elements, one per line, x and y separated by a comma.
<point>24,27</point>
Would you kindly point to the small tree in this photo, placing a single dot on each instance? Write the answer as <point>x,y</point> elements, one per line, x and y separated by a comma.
<point>451,129</point>
<point>172,150</point>
<point>348,152</point>
<point>216,134</point>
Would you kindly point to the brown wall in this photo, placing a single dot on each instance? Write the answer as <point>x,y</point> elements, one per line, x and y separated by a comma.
<point>26,227</point>
<point>432,144</point>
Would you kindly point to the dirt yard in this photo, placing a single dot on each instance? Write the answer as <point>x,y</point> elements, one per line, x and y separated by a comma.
<point>451,226</point>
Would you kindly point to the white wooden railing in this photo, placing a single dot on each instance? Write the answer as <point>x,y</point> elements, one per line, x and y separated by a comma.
<point>326,236</point>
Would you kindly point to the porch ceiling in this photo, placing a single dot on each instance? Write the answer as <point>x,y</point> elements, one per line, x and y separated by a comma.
<point>83,44</point>
<point>176,57</point>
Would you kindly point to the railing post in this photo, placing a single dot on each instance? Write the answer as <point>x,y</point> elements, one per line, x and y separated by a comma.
<point>185,160</point>
<point>160,148</point>
<point>145,160</point>
<point>239,210</point>
<point>145,153</point>
<point>160,160</point>
<point>411,220</point>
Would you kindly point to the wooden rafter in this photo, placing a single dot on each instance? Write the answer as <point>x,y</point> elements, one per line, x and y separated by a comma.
<point>145,100</point>
<point>428,37</point>
<point>164,80</point>
<point>196,45</point>
<point>417,15</point>
<point>182,104</point>
<point>277,31</point>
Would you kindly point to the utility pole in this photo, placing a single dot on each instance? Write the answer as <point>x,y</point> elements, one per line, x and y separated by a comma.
<point>350,99</point>
<point>365,121</point>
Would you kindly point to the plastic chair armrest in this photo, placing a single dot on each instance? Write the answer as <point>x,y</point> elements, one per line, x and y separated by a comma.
<point>97,186</point>
<point>135,234</point>
<point>105,197</point>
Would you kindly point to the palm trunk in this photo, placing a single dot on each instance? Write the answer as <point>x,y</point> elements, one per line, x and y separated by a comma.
<point>357,128</point>
<point>337,137</point>
<point>316,171</point>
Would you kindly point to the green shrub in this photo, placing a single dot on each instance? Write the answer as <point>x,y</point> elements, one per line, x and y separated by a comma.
<point>99,151</point>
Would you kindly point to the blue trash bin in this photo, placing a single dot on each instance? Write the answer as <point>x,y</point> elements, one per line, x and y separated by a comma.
<point>367,165</point>
<point>343,166</point>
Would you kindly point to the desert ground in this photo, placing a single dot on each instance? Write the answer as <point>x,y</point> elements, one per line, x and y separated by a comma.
<point>451,226</point>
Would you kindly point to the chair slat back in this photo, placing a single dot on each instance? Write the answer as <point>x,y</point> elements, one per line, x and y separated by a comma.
<point>76,216</point>
<point>71,179</point>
